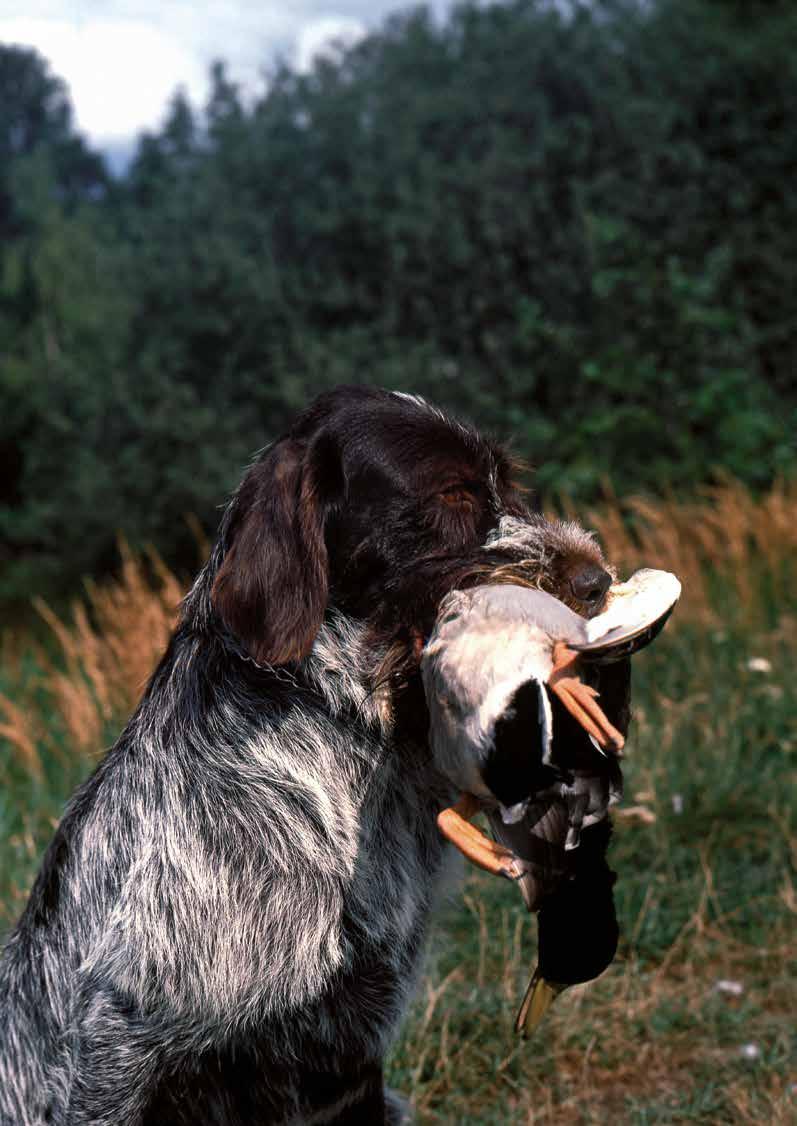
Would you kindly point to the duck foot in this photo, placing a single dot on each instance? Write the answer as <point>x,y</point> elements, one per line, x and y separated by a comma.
<point>454,824</point>
<point>581,700</point>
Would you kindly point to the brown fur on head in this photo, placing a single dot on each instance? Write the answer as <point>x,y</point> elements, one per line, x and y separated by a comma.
<point>559,557</point>
<point>376,506</point>
<point>370,505</point>
<point>271,587</point>
<point>556,555</point>
<point>528,550</point>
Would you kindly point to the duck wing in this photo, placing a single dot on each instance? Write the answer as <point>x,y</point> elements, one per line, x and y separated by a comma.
<point>549,826</point>
<point>538,839</point>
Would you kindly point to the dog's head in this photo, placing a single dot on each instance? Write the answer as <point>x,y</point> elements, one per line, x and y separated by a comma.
<point>377,504</point>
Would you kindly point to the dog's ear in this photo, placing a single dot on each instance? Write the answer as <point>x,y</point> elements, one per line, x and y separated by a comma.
<point>271,588</point>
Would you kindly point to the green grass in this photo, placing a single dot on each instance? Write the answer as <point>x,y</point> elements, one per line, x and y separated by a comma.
<point>703,894</point>
<point>31,802</point>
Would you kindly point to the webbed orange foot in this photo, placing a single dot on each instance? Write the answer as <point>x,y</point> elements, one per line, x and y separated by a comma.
<point>454,824</point>
<point>581,700</point>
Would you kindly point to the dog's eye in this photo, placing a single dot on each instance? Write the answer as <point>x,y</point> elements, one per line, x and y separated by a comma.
<point>460,495</point>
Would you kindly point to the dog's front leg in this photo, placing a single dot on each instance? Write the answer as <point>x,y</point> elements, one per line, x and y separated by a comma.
<point>115,1057</point>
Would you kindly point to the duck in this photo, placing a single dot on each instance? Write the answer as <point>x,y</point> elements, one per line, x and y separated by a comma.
<point>516,724</point>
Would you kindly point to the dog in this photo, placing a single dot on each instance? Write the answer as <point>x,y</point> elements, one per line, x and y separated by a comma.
<point>229,921</point>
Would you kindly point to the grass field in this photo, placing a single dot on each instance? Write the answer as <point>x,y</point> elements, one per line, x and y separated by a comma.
<point>694,1022</point>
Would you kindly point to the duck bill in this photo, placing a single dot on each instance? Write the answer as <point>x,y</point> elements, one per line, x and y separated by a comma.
<point>540,995</point>
<point>620,643</point>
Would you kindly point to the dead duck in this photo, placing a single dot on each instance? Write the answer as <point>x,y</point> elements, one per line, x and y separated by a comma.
<point>503,671</point>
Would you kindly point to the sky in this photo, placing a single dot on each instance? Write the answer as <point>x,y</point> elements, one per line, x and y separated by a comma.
<point>122,59</point>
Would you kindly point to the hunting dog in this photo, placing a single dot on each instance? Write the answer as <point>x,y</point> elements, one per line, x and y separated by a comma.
<point>229,921</point>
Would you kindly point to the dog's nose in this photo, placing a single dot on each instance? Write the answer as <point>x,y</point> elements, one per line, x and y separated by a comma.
<point>590,584</point>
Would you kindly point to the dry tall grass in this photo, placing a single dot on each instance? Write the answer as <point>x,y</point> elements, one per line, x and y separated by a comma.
<point>106,650</point>
<point>725,546</point>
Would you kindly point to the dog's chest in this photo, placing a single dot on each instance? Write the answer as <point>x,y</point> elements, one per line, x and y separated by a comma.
<point>399,853</point>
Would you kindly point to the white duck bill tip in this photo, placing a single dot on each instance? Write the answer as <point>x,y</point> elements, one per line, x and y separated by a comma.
<point>636,612</point>
<point>621,642</point>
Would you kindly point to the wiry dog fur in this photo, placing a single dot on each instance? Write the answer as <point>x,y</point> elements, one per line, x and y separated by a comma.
<point>230,917</point>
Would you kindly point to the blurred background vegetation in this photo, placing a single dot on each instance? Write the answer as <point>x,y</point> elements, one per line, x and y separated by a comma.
<point>575,223</point>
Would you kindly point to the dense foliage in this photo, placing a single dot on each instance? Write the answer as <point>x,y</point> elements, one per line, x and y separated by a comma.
<point>578,226</point>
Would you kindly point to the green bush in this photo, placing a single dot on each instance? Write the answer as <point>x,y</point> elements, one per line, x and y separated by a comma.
<point>575,224</point>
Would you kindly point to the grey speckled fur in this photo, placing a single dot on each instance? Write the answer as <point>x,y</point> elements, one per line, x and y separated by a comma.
<point>219,887</point>
<point>230,918</point>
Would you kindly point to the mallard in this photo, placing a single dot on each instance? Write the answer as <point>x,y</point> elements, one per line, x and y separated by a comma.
<point>515,725</point>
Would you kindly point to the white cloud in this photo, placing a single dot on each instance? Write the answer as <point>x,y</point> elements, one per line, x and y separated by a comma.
<point>325,37</point>
<point>120,75</point>
<point>123,59</point>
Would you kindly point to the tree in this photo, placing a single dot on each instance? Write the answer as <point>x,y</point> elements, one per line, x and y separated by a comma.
<point>576,224</point>
<point>35,116</point>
